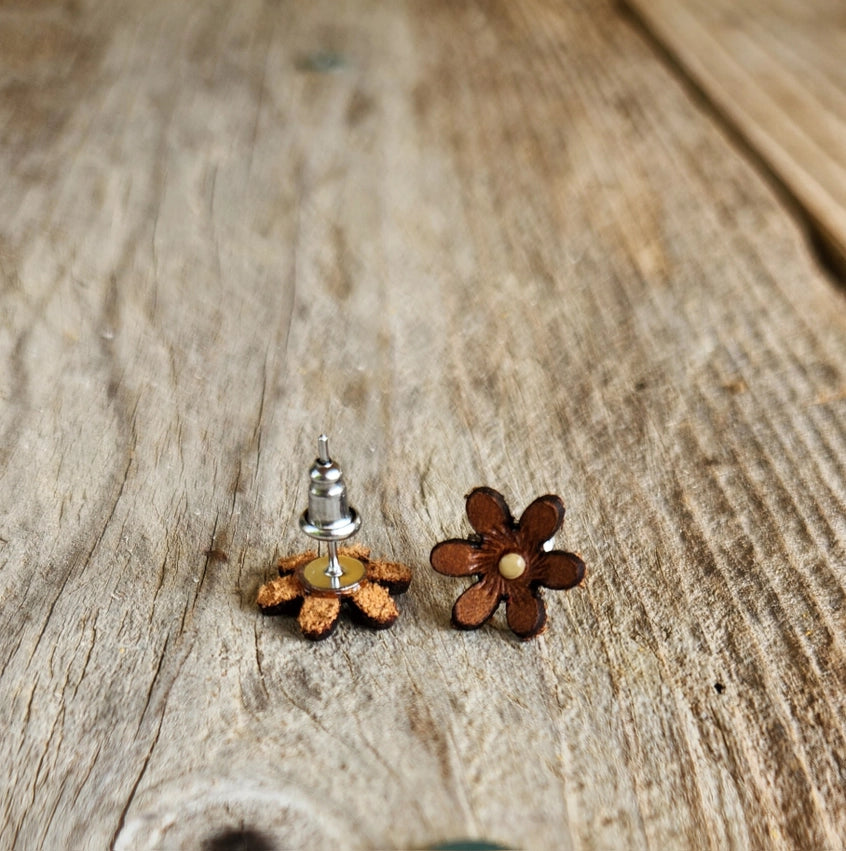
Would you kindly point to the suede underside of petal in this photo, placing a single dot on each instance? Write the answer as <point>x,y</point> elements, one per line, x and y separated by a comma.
<point>318,616</point>
<point>374,605</point>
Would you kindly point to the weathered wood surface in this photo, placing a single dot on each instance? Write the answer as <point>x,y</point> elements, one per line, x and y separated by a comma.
<point>776,70</point>
<point>484,243</point>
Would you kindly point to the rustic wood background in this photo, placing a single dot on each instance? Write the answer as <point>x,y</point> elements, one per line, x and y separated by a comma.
<point>776,72</point>
<point>479,243</point>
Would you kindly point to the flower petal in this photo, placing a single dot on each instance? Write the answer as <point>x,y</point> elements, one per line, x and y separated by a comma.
<point>488,511</point>
<point>359,551</point>
<point>524,611</point>
<point>558,569</point>
<point>455,558</point>
<point>289,564</point>
<point>373,604</point>
<point>394,576</point>
<point>476,604</point>
<point>280,596</point>
<point>541,520</point>
<point>318,616</point>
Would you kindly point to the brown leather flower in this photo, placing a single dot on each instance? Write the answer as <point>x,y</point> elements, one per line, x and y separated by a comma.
<point>370,603</point>
<point>509,560</point>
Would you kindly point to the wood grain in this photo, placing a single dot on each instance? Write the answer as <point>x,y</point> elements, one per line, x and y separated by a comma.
<point>774,69</point>
<point>483,243</point>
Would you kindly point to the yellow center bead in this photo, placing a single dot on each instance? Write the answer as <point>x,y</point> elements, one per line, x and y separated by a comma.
<point>512,565</point>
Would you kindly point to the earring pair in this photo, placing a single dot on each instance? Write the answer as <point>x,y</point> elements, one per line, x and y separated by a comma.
<point>508,557</point>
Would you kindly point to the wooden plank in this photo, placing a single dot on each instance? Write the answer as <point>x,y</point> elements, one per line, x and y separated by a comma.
<point>481,243</point>
<point>774,69</point>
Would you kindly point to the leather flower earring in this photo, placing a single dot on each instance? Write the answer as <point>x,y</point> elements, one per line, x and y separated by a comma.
<point>509,560</point>
<point>316,588</point>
